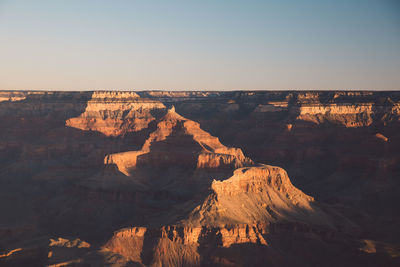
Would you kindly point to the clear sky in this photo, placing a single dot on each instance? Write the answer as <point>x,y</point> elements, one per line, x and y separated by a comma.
<point>199,45</point>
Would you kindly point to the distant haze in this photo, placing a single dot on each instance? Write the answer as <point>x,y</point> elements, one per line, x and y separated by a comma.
<point>199,45</point>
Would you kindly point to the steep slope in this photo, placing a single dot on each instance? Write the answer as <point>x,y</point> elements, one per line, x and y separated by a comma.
<point>239,209</point>
<point>258,194</point>
<point>185,199</point>
<point>178,141</point>
<point>247,208</point>
<point>164,180</point>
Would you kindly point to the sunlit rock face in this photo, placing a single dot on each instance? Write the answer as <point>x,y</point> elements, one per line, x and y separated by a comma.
<point>116,113</point>
<point>181,246</point>
<point>348,109</point>
<point>348,115</point>
<point>236,210</point>
<point>255,195</point>
<point>178,141</point>
<point>177,178</point>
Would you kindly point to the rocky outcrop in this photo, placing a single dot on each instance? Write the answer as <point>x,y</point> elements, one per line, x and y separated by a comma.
<point>128,242</point>
<point>206,245</point>
<point>116,113</point>
<point>86,164</point>
<point>68,243</point>
<point>255,195</point>
<point>167,246</point>
<point>346,114</point>
<point>179,141</point>
<point>180,246</point>
<point>348,109</point>
<point>243,234</point>
<point>236,210</point>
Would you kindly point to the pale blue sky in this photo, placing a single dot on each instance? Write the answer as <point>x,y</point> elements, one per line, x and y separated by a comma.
<point>193,45</point>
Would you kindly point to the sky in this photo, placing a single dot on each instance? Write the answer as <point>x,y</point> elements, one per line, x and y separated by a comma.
<point>199,45</point>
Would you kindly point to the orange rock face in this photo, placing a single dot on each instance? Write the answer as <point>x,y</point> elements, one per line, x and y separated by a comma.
<point>116,113</point>
<point>347,114</point>
<point>237,210</point>
<point>144,185</point>
<point>129,242</point>
<point>243,234</point>
<point>191,147</point>
<point>254,195</point>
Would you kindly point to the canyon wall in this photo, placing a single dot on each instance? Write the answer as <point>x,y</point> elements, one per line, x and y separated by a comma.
<point>160,178</point>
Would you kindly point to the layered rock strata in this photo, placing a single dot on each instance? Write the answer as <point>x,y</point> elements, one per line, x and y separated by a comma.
<point>178,141</point>
<point>116,113</point>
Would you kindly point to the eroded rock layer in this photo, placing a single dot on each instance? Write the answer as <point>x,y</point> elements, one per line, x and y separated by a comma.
<point>119,179</point>
<point>255,195</point>
<point>179,141</point>
<point>116,113</point>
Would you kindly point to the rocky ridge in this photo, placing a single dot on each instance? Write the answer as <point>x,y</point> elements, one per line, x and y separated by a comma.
<point>257,194</point>
<point>237,210</point>
<point>180,197</point>
<point>209,151</point>
<point>346,108</point>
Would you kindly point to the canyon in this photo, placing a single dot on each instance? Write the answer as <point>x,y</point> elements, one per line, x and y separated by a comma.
<point>197,178</point>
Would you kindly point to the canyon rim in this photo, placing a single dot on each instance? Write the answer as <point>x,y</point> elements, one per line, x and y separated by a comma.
<point>196,178</point>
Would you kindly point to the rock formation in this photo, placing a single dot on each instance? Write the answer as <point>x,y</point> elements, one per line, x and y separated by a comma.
<point>259,194</point>
<point>117,178</point>
<point>347,114</point>
<point>116,113</point>
<point>179,141</point>
<point>236,210</point>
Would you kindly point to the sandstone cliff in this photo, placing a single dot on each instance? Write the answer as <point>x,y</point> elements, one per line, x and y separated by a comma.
<point>116,113</point>
<point>256,194</point>
<point>179,141</point>
<point>236,210</point>
<point>84,165</point>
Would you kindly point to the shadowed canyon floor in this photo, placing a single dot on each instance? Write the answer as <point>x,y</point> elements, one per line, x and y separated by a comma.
<point>158,178</point>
